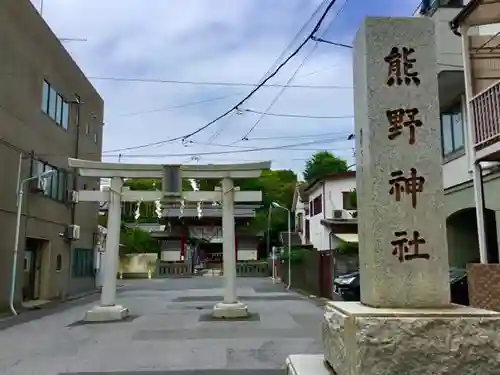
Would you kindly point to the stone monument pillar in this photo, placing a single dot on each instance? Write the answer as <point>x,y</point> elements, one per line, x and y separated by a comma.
<point>405,323</point>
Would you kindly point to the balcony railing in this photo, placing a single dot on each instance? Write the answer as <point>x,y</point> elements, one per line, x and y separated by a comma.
<point>486,112</point>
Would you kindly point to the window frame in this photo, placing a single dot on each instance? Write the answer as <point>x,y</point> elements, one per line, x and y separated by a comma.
<point>45,97</point>
<point>58,263</point>
<point>346,201</point>
<point>56,107</point>
<point>449,114</point>
<point>317,205</point>
<point>58,182</point>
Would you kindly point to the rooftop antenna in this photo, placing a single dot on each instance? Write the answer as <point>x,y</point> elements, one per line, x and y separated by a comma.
<point>62,39</point>
<point>72,40</point>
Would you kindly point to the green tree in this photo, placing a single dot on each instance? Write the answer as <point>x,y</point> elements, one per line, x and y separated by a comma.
<point>322,164</point>
<point>137,241</point>
<point>276,186</point>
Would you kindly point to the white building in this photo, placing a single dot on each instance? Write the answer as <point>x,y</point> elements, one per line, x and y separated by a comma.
<point>324,213</point>
<point>463,136</point>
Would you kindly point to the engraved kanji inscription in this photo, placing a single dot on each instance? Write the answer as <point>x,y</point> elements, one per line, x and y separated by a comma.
<point>403,118</point>
<point>405,248</point>
<point>401,185</point>
<point>401,67</point>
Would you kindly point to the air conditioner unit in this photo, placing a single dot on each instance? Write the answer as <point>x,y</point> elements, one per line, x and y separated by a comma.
<point>73,232</point>
<point>72,196</point>
<point>338,214</point>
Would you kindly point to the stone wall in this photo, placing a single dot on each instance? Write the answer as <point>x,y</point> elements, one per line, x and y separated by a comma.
<point>137,265</point>
<point>484,285</point>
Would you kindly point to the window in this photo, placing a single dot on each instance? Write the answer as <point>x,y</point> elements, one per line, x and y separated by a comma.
<point>83,263</point>
<point>95,138</point>
<point>452,130</point>
<point>58,262</point>
<point>59,101</point>
<point>316,205</point>
<point>347,203</point>
<point>87,128</point>
<point>54,105</point>
<point>45,97</point>
<point>65,115</point>
<point>54,186</point>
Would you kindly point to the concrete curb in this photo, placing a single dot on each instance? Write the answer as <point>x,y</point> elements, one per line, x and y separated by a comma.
<point>52,307</point>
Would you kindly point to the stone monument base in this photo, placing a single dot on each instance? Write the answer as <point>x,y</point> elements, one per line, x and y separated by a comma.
<point>224,310</point>
<point>361,340</point>
<point>106,313</point>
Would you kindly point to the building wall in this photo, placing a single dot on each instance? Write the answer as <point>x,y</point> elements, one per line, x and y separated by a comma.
<point>461,219</point>
<point>331,192</point>
<point>30,54</point>
<point>449,46</point>
<point>300,220</point>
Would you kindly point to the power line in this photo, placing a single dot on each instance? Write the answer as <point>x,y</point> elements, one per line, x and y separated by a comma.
<point>304,61</point>
<point>209,100</point>
<point>207,83</point>
<point>223,126</point>
<point>252,92</point>
<point>275,148</point>
<point>165,109</point>
<point>336,139</point>
<point>330,42</point>
<point>296,37</point>
<point>346,134</point>
<point>296,115</point>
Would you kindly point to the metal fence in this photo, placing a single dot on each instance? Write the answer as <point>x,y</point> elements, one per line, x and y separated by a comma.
<point>244,269</point>
<point>166,269</point>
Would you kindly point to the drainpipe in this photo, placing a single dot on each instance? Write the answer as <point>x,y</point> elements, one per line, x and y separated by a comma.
<point>16,245</point>
<point>324,206</point>
<point>473,165</point>
<point>77,104</point>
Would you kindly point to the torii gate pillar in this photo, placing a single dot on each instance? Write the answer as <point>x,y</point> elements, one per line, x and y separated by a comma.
<point>230,307</point>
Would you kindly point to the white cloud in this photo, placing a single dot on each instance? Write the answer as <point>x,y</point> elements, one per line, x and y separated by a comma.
<point>206,40</point>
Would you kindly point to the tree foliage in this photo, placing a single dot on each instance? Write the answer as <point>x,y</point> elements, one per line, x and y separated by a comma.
<point>322,164</point>
<point>137,241</point>
<point>276,186</point>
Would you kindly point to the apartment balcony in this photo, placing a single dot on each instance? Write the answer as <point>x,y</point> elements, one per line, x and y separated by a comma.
<point>478,25</point>
<point>486,119</point>
<point>484,55</point>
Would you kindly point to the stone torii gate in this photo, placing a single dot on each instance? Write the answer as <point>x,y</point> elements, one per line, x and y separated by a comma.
<point>172,176</point>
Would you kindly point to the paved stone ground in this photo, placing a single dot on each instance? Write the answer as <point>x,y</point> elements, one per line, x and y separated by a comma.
<point>169,333</point>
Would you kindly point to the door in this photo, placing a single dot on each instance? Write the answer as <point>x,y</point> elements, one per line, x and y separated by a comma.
<point>32,269</point>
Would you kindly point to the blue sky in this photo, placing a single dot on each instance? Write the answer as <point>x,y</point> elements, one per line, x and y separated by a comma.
<point>216,41</point>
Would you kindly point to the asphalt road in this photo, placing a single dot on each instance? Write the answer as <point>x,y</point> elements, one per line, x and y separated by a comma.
<point>170,332</point>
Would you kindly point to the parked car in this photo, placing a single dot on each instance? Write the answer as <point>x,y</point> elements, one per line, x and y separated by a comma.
<point>347,286</point>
